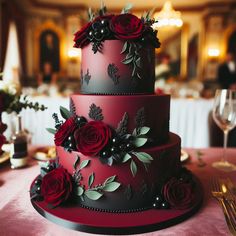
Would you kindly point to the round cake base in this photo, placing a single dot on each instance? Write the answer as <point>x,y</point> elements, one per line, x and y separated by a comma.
<point>85,220</point>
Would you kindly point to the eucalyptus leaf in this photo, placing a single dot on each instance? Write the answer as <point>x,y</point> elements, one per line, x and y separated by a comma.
<point>127,61</point>
<point>144,130</point>
<point>133,168</point>
<point>142,157</point>
<point>110,179</point>
<point>50,130</point>
<point>125,47</point>
<point>126,157</point>
<point>138,62</point>
<point>146,155</point>
<point>110,161</point>
<point>127,8</point>
<point>76,162</point>
<point>93,195</point>
<point>134,132</point>
<point>79,191</point>
<point>111,187</point>
<point>65,113</point>
<point>139,142</point>
<point>134,70</point>
<point>128,56</point>
<point>83,164</point>
<point>91,180</point>
<point>82,198</point>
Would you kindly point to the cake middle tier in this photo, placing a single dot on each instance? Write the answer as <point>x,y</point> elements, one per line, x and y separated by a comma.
<point>149,110</point>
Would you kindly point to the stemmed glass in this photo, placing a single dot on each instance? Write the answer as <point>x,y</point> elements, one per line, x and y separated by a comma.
<point>224,114</point>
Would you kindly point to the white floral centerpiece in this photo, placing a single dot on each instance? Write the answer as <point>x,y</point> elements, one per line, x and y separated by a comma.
<point>12,100</point>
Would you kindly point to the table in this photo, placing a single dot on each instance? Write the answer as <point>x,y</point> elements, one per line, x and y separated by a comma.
<point>18,217</point>
<point>188,119</point>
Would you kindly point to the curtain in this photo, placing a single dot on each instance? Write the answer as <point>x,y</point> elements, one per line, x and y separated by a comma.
<point>11,13</point>
<point>12,65</point>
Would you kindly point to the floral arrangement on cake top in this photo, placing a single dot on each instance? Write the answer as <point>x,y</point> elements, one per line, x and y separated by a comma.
<point>125,26</point>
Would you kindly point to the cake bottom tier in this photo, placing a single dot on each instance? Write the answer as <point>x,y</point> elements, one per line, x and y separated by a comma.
<point>135,192</point>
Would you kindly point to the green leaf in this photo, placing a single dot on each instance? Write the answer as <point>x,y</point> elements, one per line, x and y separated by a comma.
<point>143,130</point>
<point>91,179</point>
<point>83,164</point>
<point>134,132</point>
<point>52,131</point>
<point>139,142</point>
<point>126,157</point>
<point>93,195</point>
<point>65,113</point>
<point>127,8</point>
<point>139,76</point>
<point>138,62</point>
<point>79,191</point>
<point>127,61</point>
<point>134,71</point>
<point>142,157</point>
<point>110,179</point>
<point>133,168</point>
<point>146,155</point>
<point>111,187</point>
<point>125,47</point>
<point>76,162</point>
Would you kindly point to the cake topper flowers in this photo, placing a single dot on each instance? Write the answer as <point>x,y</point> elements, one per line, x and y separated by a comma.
<point>125,26</point>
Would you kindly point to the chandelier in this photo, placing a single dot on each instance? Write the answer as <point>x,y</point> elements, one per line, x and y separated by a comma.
<point>168,16</point>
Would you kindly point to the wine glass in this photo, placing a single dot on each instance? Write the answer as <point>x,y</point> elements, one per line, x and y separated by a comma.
<point>224,114</point>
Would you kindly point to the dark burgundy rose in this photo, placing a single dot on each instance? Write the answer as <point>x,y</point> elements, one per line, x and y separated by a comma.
<point>178,194</point>
<point>56,186</point>
<point>92,138</point>
<point>65,130</point>
<point>81,38</point>
<point>2,141</point>
<point>126,26</point>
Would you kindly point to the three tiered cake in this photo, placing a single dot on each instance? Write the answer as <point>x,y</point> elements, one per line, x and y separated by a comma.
<point>115,151</point>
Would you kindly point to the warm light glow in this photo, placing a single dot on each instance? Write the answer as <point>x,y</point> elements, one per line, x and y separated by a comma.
<point>74,53</point>
<point>168,16</point>
<point>213,52</point>
<point>12,61</point>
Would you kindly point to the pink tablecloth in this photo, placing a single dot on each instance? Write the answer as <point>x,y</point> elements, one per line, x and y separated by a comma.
<point>18,217</point>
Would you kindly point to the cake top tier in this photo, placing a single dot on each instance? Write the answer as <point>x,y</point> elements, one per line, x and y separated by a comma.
<point>118,53</point>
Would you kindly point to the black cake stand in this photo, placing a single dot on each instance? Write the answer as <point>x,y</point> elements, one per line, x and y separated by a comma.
<point>85,220</point>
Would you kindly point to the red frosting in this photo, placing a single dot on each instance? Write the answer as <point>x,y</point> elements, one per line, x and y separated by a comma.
<point>156,110</point>
<point>96,67</point>
<point>166,166</point>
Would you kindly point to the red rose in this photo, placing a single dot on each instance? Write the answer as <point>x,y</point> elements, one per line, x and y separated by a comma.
<point>81,38</point>
<point>67,128</point>
<point>92,138</point>
<point>56,186</point>
<point>2,141</point>
<point>178,193</point>
<point>126,26</point>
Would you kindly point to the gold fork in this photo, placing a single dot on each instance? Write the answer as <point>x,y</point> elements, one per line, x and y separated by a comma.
<point>219,195</point>
<point>226,189</point>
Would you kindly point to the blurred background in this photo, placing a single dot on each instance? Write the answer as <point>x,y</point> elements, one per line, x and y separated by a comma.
<point>197,54</point>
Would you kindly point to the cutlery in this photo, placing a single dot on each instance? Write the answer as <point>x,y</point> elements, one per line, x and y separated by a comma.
<point>219,195</point>
<point>225,187</point>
